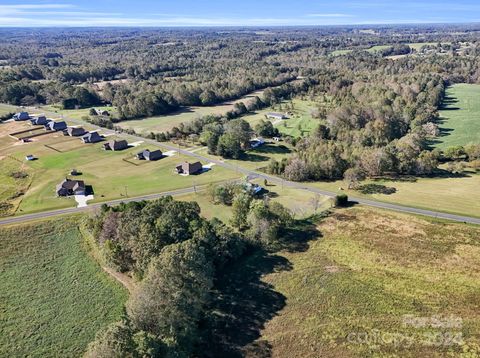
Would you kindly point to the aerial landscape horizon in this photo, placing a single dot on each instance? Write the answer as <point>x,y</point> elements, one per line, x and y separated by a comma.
<point>225,179</point>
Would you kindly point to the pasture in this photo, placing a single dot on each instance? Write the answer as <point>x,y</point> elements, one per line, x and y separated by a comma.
<point>356,290</point>
<point>7,108</point>
<point>113,175</point>
<point>460,116</point>
<point>53,296</point>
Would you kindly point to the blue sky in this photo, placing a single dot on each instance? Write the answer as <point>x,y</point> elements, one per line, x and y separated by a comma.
<point>234,12</point>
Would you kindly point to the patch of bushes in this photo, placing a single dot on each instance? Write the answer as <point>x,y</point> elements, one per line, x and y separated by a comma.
<point>376,189</point>
<point>340,201</point>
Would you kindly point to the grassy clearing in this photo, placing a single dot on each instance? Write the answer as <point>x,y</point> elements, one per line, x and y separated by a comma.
<point>15,179</point>
<point>300,202</point>
<point>6,108</point>
<point>453,195</point>
<point>460,116</point>
<point>185,115</point>
<point>76,113</point>
<point>113,175</point>
<point>348,294</point>
<point>53,295</point>
<point>414,45</point>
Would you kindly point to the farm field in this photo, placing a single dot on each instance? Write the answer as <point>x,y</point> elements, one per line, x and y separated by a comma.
<point>166,122</point>
<point>452,195</point>
<point>112,175</point>
<point>460,117</point>
<point>53,296</point>
<point>356,290</point>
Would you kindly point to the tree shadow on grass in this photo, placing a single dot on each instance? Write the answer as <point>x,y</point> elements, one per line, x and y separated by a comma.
<point>243,302</point>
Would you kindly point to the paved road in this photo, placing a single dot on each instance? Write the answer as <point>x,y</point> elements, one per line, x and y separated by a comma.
<point>47,214</point>
<point>252,173</point>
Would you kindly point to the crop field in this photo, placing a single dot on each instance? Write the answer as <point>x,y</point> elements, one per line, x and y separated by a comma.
<point>112,175</point>
<point>53,296</point>
<point>378,284</point>
<point>460,117</point>
<point>185,115</point>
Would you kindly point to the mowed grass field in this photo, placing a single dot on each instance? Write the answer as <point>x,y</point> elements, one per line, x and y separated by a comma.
<point>453,195</point>
<point>355,291</point>
<point>113,175</point>
<point>53,296</point>
<point>76,113</point>
<point>460,116</point>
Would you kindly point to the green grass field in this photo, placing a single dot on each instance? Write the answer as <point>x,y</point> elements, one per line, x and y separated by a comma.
<point>77,113</point>
<point>113,175</point>
<point>351,292</point>
<point>53,296</point>
<point>299,123</point>
<point>6,108</point>
<point>452,195</point>
<point>166,122</point>
<point>460,116</point>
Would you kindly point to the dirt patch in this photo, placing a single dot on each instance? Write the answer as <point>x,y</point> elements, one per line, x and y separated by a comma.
<point>125,280</point>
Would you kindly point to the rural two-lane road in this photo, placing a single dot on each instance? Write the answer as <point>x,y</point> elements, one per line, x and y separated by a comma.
<point>238,169</point>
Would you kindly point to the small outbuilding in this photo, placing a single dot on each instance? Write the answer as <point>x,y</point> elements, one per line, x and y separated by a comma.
<point>70,187</point>
<point>75,131</point>
<point>150,155</point>
<point>21,116</point>
<point>30,157</point>
<point>116,145</point>
<point>92,137</point>
<point>276,115</point>
<point>56,126</point>
<point>187,168</point>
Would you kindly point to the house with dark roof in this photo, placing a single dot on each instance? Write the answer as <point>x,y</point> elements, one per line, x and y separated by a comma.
<point>21,116</point>
<point>75,131</point>
<point>187,168</point>
<point>92,137</point>
<point>70,187</point>
<point>150,155</point>
<point>116,145</point>
<point>56,126</point>
<point>39,121</point>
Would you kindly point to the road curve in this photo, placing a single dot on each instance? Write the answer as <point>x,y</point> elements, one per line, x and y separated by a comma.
<point>274,179</point>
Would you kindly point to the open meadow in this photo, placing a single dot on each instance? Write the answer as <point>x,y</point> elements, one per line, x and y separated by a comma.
<point>165,123</point>
<point>378,284</point>
<point>112,175</point>
<point>460,116</point>
<point>53,296</point>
